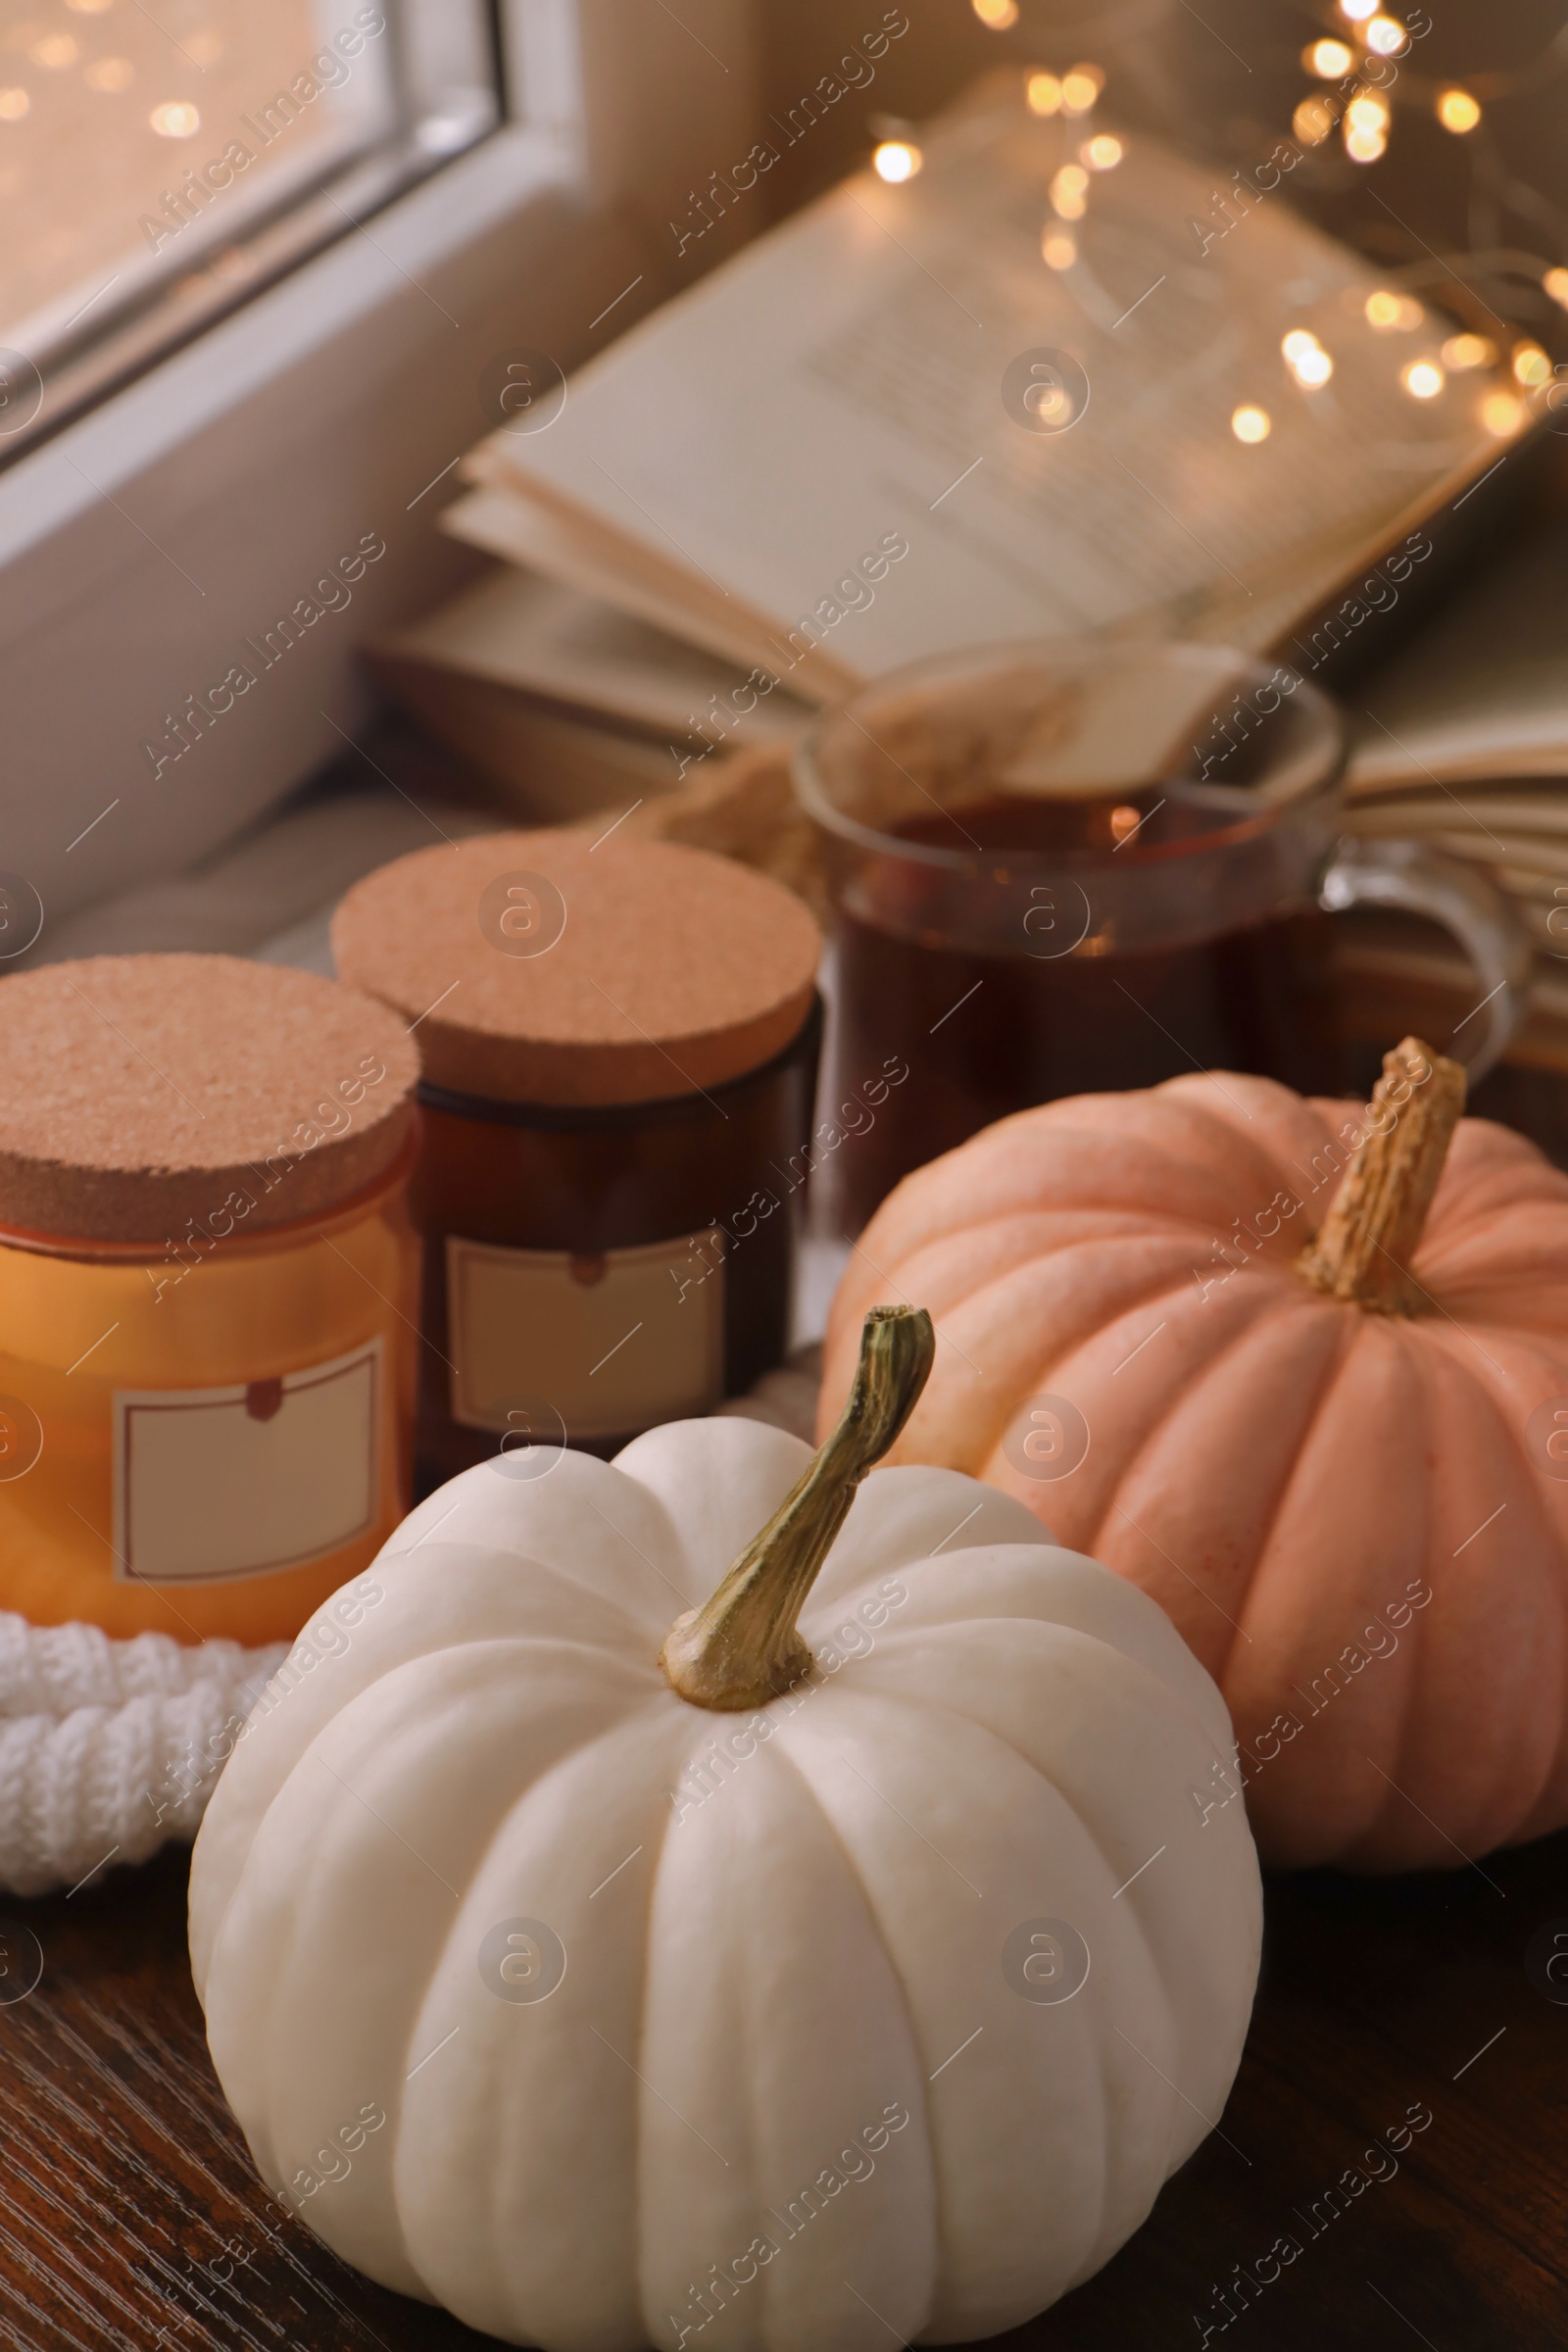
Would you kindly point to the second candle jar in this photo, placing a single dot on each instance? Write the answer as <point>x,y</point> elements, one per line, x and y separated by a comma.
<point>618,1043</point>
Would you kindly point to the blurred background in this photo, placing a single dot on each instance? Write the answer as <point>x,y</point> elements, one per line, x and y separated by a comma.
<point>106,111</point>
<point>259,266</point>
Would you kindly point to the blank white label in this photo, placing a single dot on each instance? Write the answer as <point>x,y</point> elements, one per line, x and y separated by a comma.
<point>242,1481</point>
<point>612,1344</point>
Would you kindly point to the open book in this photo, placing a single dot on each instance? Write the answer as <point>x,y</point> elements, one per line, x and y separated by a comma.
<point>566,701</point>
<point>1463,736</point>
<point>889,427</point>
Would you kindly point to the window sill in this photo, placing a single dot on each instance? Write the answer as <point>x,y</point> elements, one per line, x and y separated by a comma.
<point>248,477</point>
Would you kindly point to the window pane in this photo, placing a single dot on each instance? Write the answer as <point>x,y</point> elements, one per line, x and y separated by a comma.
<point>157,152</point>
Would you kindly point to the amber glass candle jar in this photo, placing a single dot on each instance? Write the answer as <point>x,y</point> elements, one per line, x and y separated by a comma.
<point>618,1043</point>
<point>208,1291</point>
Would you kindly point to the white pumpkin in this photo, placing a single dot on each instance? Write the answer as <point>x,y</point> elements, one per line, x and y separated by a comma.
<point>603,2017</point>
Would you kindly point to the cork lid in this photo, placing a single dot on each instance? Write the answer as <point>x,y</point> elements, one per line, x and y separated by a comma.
<point>140,1091</point>
<point>543,967</point>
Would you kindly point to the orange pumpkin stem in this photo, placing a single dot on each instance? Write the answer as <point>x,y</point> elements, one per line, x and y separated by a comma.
<point>1363,1248</point>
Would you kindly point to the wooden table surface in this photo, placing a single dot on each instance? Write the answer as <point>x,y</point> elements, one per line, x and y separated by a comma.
<point>131,2218</point>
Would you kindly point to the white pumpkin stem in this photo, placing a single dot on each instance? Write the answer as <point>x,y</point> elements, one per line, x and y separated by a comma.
<point>1363,1249</point>
<point>742,1648</point>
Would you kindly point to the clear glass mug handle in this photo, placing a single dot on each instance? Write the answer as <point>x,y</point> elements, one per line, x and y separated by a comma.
<point>1416,880</point>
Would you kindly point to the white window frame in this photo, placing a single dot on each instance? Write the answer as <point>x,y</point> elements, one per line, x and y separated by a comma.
<point>145,542</point>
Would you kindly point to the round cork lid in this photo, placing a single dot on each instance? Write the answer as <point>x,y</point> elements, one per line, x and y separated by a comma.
<point>543,967</point>
<point>138,1093</point>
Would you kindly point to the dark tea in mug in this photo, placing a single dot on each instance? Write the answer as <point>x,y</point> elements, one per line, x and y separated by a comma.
<point>1064,870</point>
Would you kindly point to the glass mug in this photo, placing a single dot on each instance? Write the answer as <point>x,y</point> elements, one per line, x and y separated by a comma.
<point>1061,870</point>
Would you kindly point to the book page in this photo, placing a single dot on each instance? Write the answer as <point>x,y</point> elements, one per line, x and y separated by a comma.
<point>548,768</point>
<point>1484,692</point>
<point>1493,824</point>
<point>549,538</point>
<point>519,630</point>
<point>843,388</point>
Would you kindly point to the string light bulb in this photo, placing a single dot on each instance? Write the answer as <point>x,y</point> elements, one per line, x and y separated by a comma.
<point>1058,247</point>
<point>1068,192</point>
<point>1386,36</point>
<point>1386,310</point>
<point>1366,127</point>
<point>1502,415</point>
<point>1250,423</point>
<point>1423,379</point>
<point>1080,88</point>
<point>1313,122</point>
<point>897,160</point>
<point>1368,111</point>
<point>1457,110</point>
<point>1330,59</point>
<point>1044,93</point>
<point>175,118</point>
<point>997,16</point>
<point>1462,352</point>
<point>1358,10</point>
<point>1307,358</point>
<point>1555,283</point>
<point>1531,366</point>
<point>1364,144</point>
<point>1102,153</point>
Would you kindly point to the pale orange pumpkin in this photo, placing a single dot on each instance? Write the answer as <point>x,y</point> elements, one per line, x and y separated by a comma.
<point>1343,1474</point>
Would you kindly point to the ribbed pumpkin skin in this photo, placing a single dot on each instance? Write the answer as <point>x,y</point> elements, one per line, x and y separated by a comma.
<point>766,1959</point>
<point>1280,1471</point>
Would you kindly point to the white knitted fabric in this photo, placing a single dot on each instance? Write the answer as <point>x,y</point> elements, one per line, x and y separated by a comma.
<point>110,1748</point>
